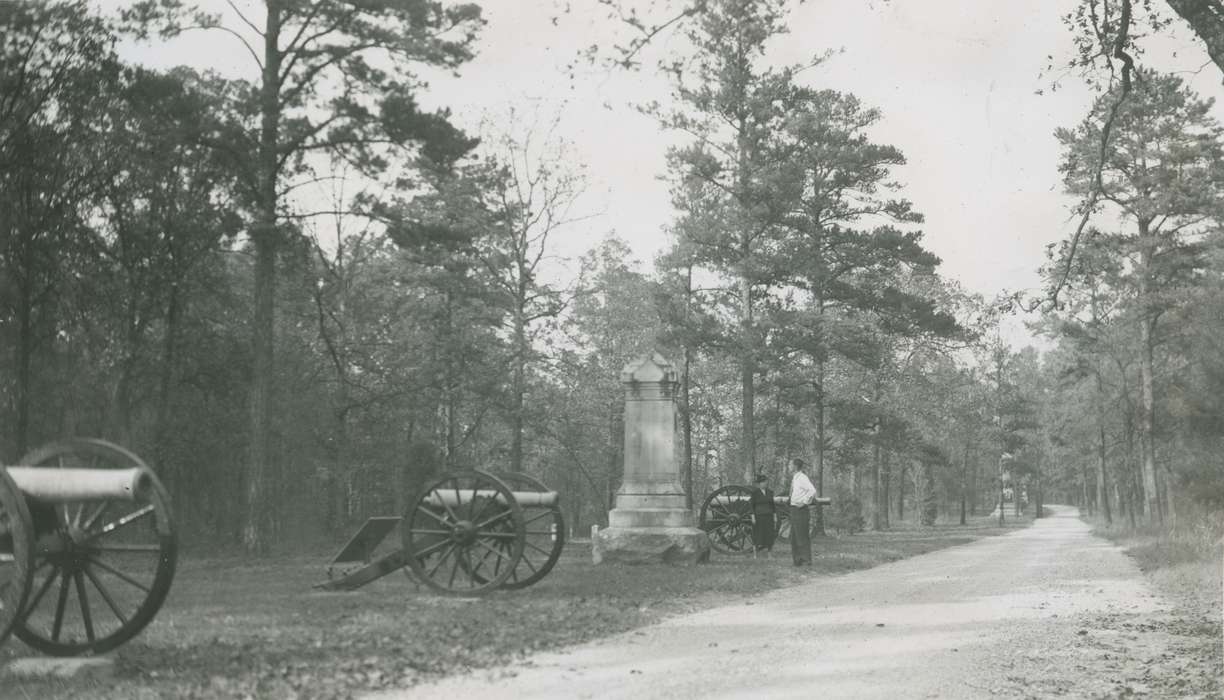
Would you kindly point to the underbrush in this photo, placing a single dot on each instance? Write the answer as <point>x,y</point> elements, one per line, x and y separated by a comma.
<point>1198,538</point>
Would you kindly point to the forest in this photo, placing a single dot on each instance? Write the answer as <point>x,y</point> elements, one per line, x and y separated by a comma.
<point>291,364</point>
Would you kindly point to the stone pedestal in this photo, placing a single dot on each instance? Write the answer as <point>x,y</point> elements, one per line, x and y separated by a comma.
<point>650,522</point>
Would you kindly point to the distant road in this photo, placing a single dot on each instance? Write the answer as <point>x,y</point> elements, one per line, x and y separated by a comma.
<point>1019,615</point>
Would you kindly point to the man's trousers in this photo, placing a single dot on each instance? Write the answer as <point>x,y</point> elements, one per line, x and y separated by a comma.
<point>800,535</point>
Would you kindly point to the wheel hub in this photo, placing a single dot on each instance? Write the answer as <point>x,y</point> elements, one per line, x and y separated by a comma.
<point>67,549</point>
<point>464,533</point>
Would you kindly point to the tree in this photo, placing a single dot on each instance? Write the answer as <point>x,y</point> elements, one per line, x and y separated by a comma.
<point>334,78</point>
<point>166,203</point>
<point>1111,33</point>
<point>58,72</point>
<point>1164,174</point>
<point>730,181</point>
<point>846,254</point>
<point>532,196</point>
<point>1091,305</point>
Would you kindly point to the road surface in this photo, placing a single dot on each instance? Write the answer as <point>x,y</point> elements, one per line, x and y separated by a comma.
<point>1017,615</point>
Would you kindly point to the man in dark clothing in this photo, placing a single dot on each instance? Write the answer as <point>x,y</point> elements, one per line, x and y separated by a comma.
<point>762,503</point>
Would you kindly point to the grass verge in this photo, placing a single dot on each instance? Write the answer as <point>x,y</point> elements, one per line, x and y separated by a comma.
<point>1187,569</point>
<point>236,628</point>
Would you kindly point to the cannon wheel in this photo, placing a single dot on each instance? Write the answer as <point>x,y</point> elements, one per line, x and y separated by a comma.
<point>782,525</point>
<point>16,553</point>
<point>545,534</point>
<point>114,558</point>
<point>464,533</point>
<point>726,516</point>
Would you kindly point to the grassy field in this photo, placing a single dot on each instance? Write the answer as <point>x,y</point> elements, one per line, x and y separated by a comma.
<point>235,628</point>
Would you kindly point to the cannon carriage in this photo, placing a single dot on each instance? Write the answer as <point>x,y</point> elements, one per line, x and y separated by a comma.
<point>87,547</point>
<point>726,515</point>
<point>465,533</point>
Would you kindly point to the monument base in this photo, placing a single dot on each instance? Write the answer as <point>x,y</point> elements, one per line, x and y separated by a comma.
<point>681,546</point>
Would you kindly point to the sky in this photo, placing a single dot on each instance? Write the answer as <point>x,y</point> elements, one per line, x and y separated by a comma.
<point>960,84</point>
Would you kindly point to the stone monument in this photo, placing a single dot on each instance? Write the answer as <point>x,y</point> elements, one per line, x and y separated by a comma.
<point>650,522</point>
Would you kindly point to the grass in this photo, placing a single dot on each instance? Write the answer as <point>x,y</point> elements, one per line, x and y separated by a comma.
<point>1195,552</point>
<point>233,627</point>
<point>1187,568</point>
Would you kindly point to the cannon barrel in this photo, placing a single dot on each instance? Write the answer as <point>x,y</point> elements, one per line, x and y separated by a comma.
<point>785,500</point>
<point>780,500</point>
<point>56,485</point>
<point>526,499</point>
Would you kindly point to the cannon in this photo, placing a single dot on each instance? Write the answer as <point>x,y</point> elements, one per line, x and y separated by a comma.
<point>726,515</point>
<point>465,533</point>
<point>87,547</point>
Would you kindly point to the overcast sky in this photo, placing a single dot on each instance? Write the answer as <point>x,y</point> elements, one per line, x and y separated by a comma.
<point>956,80</point>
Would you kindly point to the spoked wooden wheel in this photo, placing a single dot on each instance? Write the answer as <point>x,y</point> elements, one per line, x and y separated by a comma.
<point>464,533</point>
<point>782,526</point>
<point>102,567</point>
<point>544,533</point>
<point>16,554</point>
<point>726,516</point>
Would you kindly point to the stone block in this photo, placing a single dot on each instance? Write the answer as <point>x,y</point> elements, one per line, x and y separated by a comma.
<point>632,501</point>
<point>649,517</point>
<point>681,546</point>
<point>74,668</point>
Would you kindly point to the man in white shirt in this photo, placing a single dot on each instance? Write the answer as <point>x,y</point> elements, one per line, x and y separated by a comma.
<point>802,495</point>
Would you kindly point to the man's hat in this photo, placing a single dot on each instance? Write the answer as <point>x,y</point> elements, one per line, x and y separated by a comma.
<point>759,478</point>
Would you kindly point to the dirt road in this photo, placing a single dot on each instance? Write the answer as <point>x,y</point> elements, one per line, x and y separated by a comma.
<point>1019,615</point>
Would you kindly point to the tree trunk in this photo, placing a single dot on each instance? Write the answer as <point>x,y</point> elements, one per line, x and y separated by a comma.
<point>518,391</point>
<point>687,424</point>
<point>930,502</point>
<point>886,478</point>
<point>255,535</point>
<point>877,520</point>
<point>686,417</point>
<point>964,485</point>
<point>25,356</point>
<point>747,379</point>
<point>165,393</point>
<point>686,414</point>
<point>818,526</point>
<point>747,335</point>
<point>266,238</point>
<point>615,468</point>
<point>974,494</point>
<point>1000,358</point>
<point>1147,419</point>
<point>1102,480</point>
<point>1132,471</point>
<point>901,493</point>
<point>1002,502</point>
<point>401,481</point>
<point>127,377</point>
